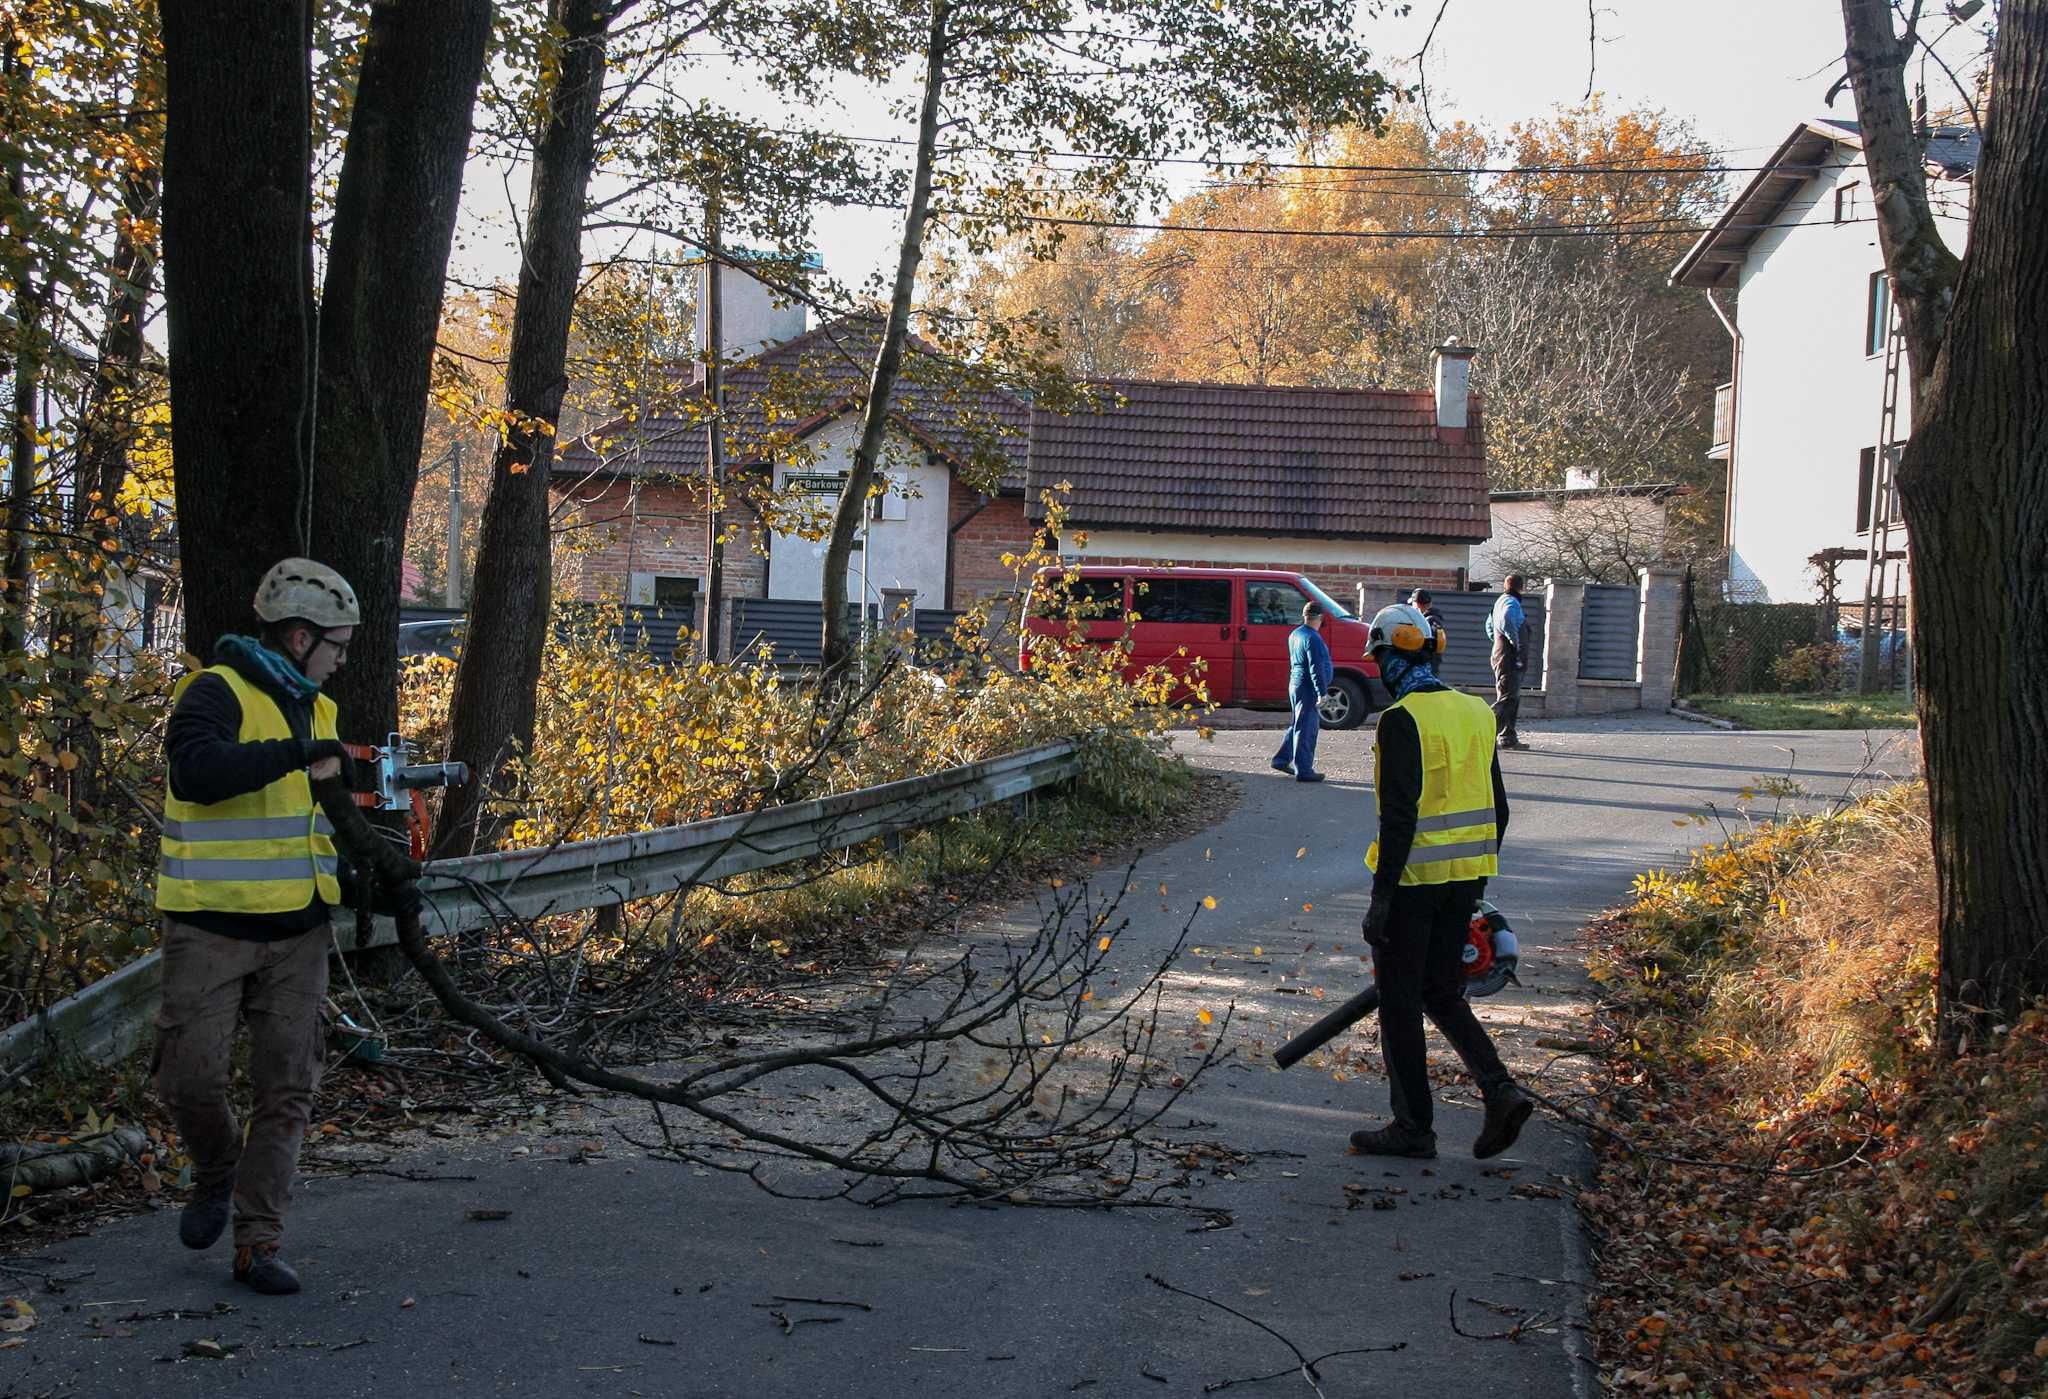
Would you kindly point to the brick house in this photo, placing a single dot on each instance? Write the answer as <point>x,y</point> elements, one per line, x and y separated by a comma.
<point>1379,488</point>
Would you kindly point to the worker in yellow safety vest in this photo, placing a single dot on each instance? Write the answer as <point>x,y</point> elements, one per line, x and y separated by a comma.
<point>1442,810</point>
<point>247,882</point>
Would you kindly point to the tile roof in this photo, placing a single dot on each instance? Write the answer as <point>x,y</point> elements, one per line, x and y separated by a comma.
<point>1329,463</point>
<point>810,381</point>
<point>1209,458</point>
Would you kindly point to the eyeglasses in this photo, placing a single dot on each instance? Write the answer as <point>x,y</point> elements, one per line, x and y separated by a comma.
<point>340,647</point>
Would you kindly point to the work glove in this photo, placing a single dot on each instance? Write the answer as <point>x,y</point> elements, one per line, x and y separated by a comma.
<point>352,774</point>
<point>1377,915</point>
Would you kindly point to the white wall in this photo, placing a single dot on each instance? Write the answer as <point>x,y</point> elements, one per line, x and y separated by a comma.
<point>901,553</point>
<point>1809,397</point>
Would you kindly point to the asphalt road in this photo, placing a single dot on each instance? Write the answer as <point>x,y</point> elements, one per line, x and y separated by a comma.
<point>406,1297</point>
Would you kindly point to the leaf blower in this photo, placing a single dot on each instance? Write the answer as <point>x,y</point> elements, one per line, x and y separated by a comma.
<point>1491,954</point>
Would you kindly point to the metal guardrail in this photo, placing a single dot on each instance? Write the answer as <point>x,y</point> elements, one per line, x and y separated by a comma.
<point>107,1019</point>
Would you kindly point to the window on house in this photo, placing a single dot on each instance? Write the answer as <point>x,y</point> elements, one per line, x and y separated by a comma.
<point>673,592</point>
<point>1866,485</point>
<point>1845,202</point>
<point>1877,323</point>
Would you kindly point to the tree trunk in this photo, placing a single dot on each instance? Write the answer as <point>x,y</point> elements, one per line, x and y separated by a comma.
<point>394,219</point>
<point>874,422</point>
<point>493,712</point>
<point>237,290</point>
<point>1973,482</point>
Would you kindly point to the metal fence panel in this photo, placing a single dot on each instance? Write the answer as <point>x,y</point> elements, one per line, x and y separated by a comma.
<point>1607,637</point>
<point>1468,655</point>
<point>792,627</point>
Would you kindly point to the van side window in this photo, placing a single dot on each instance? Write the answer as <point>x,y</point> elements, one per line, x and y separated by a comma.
<point>1273,604</point>
<point>1089,597</point>
<point>1186,601</point>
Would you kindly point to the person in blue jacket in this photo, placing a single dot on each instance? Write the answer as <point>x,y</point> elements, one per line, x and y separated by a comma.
<point>1308,676</point>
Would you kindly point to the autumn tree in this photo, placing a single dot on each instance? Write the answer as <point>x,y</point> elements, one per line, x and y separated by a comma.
<point>1011,82</point>
<point>1973,481</point>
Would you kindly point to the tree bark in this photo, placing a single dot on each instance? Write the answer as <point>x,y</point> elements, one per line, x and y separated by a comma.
<point>237,288</point>
<point>874,423</point>
<point>1973,482</point>
<point>394,220</point>
<point>493,713</point>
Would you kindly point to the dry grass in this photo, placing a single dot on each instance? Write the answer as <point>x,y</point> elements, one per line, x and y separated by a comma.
<point>1848,958</point>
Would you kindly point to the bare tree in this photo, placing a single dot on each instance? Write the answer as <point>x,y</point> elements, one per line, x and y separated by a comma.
<point>1601,536</point>
<point>1568,368</point>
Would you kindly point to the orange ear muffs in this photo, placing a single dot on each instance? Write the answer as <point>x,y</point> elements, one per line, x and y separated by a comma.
<point>1438,640</point>
<point>1408,637</point>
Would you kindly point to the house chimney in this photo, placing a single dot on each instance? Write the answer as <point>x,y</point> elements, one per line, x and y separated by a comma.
<point>752,317</point>
<point>1452,363</point>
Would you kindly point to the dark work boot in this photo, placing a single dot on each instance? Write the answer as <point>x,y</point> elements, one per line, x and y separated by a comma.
<point>261,1269</point>
<point>1394,1140</point>
<point>1507,1108</point>
<point>206,1214</point>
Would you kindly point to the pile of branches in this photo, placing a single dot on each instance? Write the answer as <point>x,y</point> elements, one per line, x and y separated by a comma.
<point>1018,1067</point>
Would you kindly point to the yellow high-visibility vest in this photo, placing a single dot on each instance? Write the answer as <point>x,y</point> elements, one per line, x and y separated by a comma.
<point>266,851</point>
<point>1455,833</point>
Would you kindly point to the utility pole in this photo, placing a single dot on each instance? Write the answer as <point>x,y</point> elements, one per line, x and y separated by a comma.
<point>453,590</point>
<point>714,458</point>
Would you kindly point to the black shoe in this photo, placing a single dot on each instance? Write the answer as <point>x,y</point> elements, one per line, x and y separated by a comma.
<point>1281,767</point>
<point>1515,744</point>
<point>262,1270</point>
<point>1507,1108</point>
<point>1394,1140</point>
<point>1308,777</point>
<point>206,1214</point>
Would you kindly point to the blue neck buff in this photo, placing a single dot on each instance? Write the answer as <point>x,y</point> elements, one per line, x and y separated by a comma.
<point>1404,674</point>
<point>288,679</point>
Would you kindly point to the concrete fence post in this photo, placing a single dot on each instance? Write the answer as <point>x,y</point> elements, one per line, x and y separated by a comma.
<point>1563,626</point>
<point>1657,635</point>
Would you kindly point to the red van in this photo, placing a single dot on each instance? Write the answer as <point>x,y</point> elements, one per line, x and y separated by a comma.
<point>1237,619</point>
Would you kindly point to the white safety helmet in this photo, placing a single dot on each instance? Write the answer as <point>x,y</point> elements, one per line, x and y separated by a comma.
<point>302,588</point>
<point>1404,628</point>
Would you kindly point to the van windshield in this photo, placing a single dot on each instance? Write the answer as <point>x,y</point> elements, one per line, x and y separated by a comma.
<point>1329,604</point>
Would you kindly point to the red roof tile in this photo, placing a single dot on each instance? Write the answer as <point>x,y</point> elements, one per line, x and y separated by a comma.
<point>1209,458</point>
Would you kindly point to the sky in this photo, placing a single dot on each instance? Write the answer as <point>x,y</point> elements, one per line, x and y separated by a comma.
<point>1744,72</point>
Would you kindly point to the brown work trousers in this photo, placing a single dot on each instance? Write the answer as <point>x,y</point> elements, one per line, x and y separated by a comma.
<point>211,982</point>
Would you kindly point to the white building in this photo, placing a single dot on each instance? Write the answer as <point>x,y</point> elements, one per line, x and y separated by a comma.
<point>1798,425</point>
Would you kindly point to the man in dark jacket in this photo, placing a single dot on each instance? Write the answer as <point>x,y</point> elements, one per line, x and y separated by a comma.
<point>1440,825</point>
<point>248,880</point>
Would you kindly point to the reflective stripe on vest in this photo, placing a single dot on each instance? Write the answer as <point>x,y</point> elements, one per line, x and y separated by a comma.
<point>1455,834</point>
<point>267,851</point>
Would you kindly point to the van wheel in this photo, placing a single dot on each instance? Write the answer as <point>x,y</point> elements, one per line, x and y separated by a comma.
<point>1343,705</point>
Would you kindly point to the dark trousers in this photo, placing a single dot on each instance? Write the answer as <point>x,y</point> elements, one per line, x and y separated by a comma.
<point>1421,972</point>
<point>1298,746</point>
<point>1507,691</point>
<point>211,984</point>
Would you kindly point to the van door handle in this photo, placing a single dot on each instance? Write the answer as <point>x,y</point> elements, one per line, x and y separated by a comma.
<point>1244,633</point>
<point>1223,635</point>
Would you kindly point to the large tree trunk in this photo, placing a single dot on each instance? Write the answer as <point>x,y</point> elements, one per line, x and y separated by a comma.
<point>237,290</point>
<point>1973,482</point>
<point>394,219</point>
<point>501,655</point>
<point>874,422</point>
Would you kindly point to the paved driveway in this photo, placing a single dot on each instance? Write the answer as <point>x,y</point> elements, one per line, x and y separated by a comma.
<point>600,1265</point>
